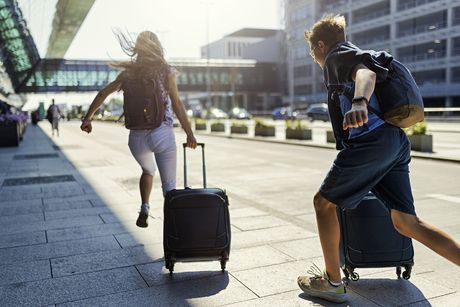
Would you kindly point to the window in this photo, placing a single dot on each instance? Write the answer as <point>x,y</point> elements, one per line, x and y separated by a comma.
<point>371,12</point>
<point>422,52</point>
<point>430,76</point>
<point>303,89</point>
<point>423,24</point>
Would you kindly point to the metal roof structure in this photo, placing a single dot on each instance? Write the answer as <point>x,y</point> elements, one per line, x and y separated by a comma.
<point>68,18</point>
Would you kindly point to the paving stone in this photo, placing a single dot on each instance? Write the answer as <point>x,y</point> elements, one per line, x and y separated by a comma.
<point>257,222</point>
<point>83,232</point>
<point>269,235</point>
<point>15,203</point>
<point>99,261</point>
<point>253,257</point>
<point>245,212</point>
<point>66,205</point>
<point>298,298</point>
<point>57,249</point>
<point>301,249</point>
<point>115,218</point>
<point>211,291</point>
<point>10,228</point>
<point>22,272</point>
<point>21,239</point>
<point>70,288</point>
<point>440,301</point>
<point>20,209</point>
<point>75,213</point>
<point>273,279</point>
<point>140,237</point>
<point>21,219</point>
<point>384,291</point>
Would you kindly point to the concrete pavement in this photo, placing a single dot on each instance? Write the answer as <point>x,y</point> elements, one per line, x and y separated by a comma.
<point>68,207</point>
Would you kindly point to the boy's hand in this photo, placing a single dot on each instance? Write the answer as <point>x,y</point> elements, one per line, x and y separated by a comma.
<point>356,117</point>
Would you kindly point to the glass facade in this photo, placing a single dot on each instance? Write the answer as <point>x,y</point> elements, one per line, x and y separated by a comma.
<point>69,75</point>
<point>18,53</point>
<point>423,24</point>
<point>422,52</point>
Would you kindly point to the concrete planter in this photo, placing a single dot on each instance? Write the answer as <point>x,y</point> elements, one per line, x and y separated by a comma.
<point>298,134</point>
<point>200,126</point>
<point>264,131</point>
<point>9,134</point>
<point>421,142</point>
<point>217,127</point>
<point>330,138</point>
<point>239,129</point>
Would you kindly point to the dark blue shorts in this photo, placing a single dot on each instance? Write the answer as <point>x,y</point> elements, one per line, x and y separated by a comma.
<point>377,162</point>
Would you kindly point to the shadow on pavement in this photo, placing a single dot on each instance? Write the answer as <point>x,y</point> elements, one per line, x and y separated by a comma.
<point>62,242</point>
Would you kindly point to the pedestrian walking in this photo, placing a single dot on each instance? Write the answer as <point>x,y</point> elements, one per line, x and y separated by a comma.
<point>53,115</point>
<point>374,155</point>
<point>150,96</point>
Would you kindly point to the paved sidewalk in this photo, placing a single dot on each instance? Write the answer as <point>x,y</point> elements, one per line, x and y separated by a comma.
<point>68,238</point>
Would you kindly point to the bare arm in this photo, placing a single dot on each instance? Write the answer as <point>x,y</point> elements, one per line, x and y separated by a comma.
<point>98,101</point>
<point>179,110</point>
<point>364,86</point>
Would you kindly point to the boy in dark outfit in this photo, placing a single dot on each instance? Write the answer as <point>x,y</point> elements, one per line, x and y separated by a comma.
<point>374,155</point>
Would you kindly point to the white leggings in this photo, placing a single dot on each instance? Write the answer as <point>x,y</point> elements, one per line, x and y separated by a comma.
<point>161,142</point>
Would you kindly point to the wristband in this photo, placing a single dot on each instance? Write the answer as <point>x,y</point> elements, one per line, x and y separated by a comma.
<point>359,99</point>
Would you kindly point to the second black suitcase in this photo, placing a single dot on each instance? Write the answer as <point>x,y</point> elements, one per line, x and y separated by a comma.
<point>196,223</point>
<point>369,240</point>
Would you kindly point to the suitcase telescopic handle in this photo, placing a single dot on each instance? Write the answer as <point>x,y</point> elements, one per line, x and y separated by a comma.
<point>184,145</point>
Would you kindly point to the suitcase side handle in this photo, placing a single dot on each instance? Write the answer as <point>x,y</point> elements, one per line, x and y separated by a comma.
<point>184,145</point>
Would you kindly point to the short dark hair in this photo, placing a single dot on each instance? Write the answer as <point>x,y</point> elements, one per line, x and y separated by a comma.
<point>330,29</point>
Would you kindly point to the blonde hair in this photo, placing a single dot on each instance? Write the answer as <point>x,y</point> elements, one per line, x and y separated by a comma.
<point>147,54</point>
<point>330,29</point>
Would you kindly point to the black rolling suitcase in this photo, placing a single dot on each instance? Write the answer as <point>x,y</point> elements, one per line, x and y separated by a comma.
<point>369,240</point>
<point>196,223</point>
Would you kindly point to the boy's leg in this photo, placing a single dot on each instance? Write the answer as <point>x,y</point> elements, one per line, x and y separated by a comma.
<point>432,237</point>
<point>326,285</point>
<point>329,235</point>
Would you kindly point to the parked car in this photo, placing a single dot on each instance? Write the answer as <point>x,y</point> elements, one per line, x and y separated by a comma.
<point>215,113</point>
<point>240,113</point>
<point>318,111</point>
<point>282,113</point>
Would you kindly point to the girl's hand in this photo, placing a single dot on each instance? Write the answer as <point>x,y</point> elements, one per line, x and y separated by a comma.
<point>86,126</point>
<point>191,141</point>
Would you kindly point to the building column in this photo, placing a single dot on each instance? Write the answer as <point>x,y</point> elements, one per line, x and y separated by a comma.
<point>245,101</point>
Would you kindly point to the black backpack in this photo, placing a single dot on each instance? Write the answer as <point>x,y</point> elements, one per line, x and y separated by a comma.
<point>398,95</point>
<point>143,103</point>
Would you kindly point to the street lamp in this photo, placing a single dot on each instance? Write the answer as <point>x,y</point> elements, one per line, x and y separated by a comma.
<point>208,72</point>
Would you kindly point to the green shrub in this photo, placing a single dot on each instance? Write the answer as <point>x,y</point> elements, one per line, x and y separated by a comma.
<point>295,124</point>
<point>238,123</point>
<point>200,121</point>
<point>261,123</point>
<point>417,129</point>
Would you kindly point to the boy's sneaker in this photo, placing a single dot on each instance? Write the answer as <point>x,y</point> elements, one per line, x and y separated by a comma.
<point>319,285</point>
<point>143,216</point>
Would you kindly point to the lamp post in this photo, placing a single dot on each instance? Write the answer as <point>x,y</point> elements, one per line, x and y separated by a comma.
<point>208,72</point>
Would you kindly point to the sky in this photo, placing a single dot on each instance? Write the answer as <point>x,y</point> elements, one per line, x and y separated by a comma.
<point>180,24</point>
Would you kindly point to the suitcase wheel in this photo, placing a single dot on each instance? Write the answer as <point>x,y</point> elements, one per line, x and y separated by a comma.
<point>223,264</point>
<point>406,274</point>
<point>354,276</point>
<point>169,265</point>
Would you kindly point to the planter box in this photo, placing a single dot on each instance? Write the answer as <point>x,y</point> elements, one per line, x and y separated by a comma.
<point>217,127</point>
<point>9,134</point>
<point>298,134</point>
<point>330,138</point>
<point>200,126</point>
<point>265,131</point>
<point>421,142</point>
<point>239,129</point>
